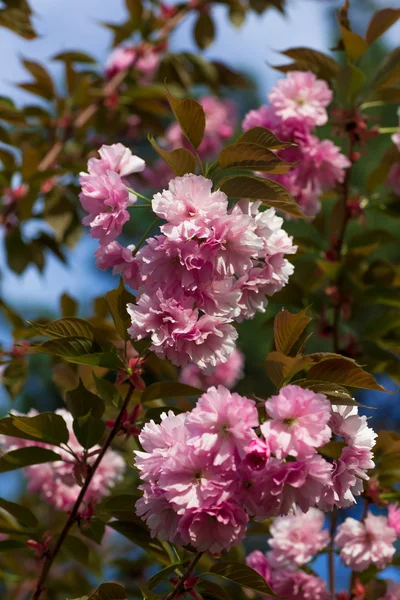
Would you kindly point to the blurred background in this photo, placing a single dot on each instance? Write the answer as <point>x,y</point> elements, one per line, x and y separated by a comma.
<point>76,24</point>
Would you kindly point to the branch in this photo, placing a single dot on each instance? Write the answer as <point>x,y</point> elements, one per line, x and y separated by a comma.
<point>73,517</point>
<point>180,586</point>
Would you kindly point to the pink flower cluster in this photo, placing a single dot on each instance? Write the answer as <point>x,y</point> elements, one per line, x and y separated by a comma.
<point>143,58</point>
<point>206,471</point>
<point>226,373</point>
<point>392,592</point>
<point>366,543</point>
<point>105,195</point>
<point>297,104</point>
<point>288,582</point>
<point>220,125</point>
<point>209,267</point>
<point>59,482</point>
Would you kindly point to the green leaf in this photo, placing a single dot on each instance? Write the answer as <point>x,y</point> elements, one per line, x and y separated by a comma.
<point>322,65</point>
<point>117,301</point>
<point>7,545</point>
<point>42,78</point>
<point>354,44</point>
<point>344,372</point>
<point>270,192</point>
<point>280,368</point>
<point>169,389</point>
<point>46,427</point>
<point>180,160</point>
<point>288,328</point>
<point>24,457</point>
<point>94,530</point>
<point>81,402</point>
<point>122,507</point>
<point>80,351</point>
<point>204,30</point>
<point>251,156</point>
<point>23,515</point>
<point>154,581</point>
<point>107,391</point>
<point>68,327</point>
<point>210,587</point>
<point>263,137</point>
<point>364,243</point>
<point>18,253</point>
<point>146,593</point>
<point>88,431</point>
<point>18,20</point>
<point>14,376</point>
<point>109,591</point>
<point>137,532</point>
<point>388,71</point>
<point>76,549</point>
<point>381,21</point>
<point>68,305</point>
<point>74,56</point>
<point>332,449</point>
<point>242,575</point>
<point>350,80</point>
<point>191,118</point>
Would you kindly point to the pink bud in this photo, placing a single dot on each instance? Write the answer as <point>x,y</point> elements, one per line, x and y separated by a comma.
<point>257,454</point>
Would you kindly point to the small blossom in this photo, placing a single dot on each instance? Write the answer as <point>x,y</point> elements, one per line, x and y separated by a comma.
<point>257,454</point>
<point>259,562</point>
<point>365,544</point>
<point>299,585</point>
<point>298,423</point>
<point>394,517</point>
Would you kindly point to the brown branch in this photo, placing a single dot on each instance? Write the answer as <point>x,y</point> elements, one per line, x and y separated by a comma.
<point>109,88</point>
<point>180,586</point>
<point>74,515</point>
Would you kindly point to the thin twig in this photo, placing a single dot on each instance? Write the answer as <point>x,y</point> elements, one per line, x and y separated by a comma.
<point>73,517</point>
<point>180,586</point>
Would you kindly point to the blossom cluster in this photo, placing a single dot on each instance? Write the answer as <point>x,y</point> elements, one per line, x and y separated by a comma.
<point>143,58</point>
<point>209,267</point>
<point>297,104</point>
<point>226,373</point>
<point>105,195</point>
<point>59,482</point>
<point>206,472</point>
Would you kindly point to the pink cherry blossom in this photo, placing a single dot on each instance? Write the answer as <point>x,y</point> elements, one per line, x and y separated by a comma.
<point>298,421</point>
<point>223,423</point>
<point>392,592</point>
<point>257,454</point>
<point>159,514</point>
<point>301,98</point>
<point>120,159</point>
<point>322,164</point>
<point>258,561</point>
<point>296,538</point>
<point>394,517</point>
<point>120,259</point>
<point>263,116</point>
<point>299,585</point>
<point>226,374</point>
<point>58,483</point>
<point>143,58</point>
<point>214,528</point>
<point>366,543</point>
<point>353,428</point>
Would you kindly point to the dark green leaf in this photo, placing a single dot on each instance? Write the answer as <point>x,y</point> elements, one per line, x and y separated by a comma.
<point>24,457</point>
<point>108,392</point>
<point>109,591</point>
<point>76,549</point>
<point>213,590</point>
<point>18,254</point>
<point>322,65</point>
<point>344,372</point>
<point>191,118</point>
<point>270,192</point>
<point>68,305</point>
<point>180,160</point>
<point>135,9</point>
<point>46,427</point>
<point>146,593</point>
<point>88,430</point>
<point>138,533</point>
<point>117,301</point>
<point>154,581</point>
<point>74,56</point>
<point>94,530</point>
<point>80,351</point>
<point>42,78</point>
<point>350,80</point>
<point>68,327</point>
<point>169,389</point>
<point>332,449</point>
<point>242,575</point>
<point>14,376</point>
<point>23,515</point>
<point>7,545</point>
<point>81,402</point>
<point>388,71</point>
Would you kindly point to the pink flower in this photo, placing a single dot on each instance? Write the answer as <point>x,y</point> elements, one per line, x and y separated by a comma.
<point>394,517</point>
<point>301,482</point>
<point>298,423</point>
<point>223,423</point>
<point>393,179</point>
<point>226,374</point>
<point>120,259</point>
<point>159,515</point>
<point>177,333</point>
<point>261,117</point>
<point>306,196</point>
<point>322,164</point>
<point>396,136</point>
<point>189,198</point>
<point>297,538</point>
<point>258,561</point>
<point>392,592</point>
<point>363,544</point>
<point>57,482</point>
<point>301,98</point>
<point>120,159</point>
<point>214,528</point>
<point>298,585</point>
<point>144,59</point>
<point>353,428</point>
<point>257,454</point>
